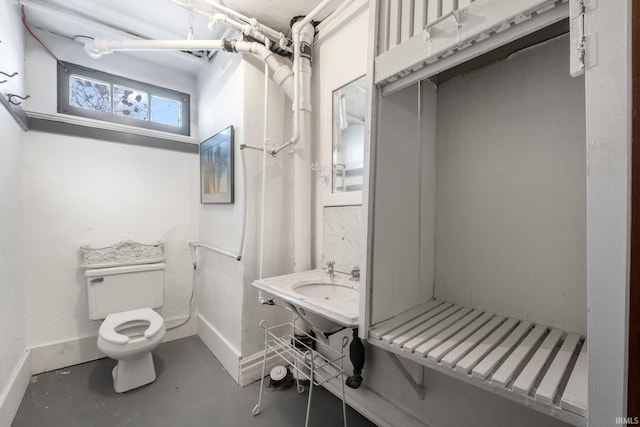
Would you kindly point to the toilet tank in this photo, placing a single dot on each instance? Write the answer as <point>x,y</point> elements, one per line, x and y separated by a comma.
<point>122,288</point>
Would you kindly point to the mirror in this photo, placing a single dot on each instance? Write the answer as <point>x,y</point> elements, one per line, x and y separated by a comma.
<point>348,137</point>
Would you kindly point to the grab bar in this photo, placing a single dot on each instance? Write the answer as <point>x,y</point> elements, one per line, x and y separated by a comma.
<point>195,244</point>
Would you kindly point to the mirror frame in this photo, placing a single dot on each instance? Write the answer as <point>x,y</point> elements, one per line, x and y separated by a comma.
<point>348,198</point>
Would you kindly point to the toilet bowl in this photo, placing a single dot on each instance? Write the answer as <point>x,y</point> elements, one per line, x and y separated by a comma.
<point>129,337</point>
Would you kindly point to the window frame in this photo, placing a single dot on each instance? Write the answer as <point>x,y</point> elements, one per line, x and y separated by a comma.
<point>64,106</point>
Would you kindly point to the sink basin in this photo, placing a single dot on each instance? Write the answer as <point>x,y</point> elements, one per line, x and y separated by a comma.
<point>327,304</point>
<point>326,291</point>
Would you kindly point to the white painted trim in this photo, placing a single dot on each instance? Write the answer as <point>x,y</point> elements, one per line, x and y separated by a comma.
<point>14,390</point>
<point>515,32</point>
<point>608,95</point>
<point>58,355</point>
<point>222,349</point>
<point>251,367</point>
<point>83,121</point>
<point>61,354</point>
<point>330,26</point>
<point>368,193</point>
<point>373,406</point>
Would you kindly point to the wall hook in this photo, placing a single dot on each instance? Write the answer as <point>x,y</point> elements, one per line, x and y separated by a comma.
<point>7,75</point>
<point>10,97</point>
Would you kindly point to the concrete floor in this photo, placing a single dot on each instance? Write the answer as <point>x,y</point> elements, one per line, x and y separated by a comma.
<point>192,389</point>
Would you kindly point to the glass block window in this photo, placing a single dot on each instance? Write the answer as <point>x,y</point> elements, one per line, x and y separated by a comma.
<point>129,102</point>
<point>102,96</point>
<point>89,94</point>
<point>166,111</point>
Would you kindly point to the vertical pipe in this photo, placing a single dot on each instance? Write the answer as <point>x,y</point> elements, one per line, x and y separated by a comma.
<point>264,171</point>
<point>302,159</point>
<point>244,203</point>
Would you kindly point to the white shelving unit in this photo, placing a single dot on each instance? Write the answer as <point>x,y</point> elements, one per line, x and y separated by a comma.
<point>318,363</point>
<point>541,367</point>
<point>483,296</point>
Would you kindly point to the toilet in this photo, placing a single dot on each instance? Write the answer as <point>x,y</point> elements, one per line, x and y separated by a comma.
<point>125,296</point>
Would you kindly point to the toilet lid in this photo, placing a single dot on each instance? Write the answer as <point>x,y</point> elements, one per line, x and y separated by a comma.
<point>113,321</point>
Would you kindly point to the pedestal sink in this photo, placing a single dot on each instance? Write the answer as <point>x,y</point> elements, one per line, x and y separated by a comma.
<point>327,304</point>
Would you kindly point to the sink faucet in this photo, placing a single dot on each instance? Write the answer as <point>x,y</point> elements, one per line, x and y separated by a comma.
<point>330,273</point>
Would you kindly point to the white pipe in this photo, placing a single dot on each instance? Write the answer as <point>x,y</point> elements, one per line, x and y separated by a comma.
<point>221,17</point>
<point>264,172</point>
<point>245,29</point>
<point>251,27</point>
<point>276,36</point>
<point>191,8</point>
<point>295,137</point>
<point>263,195</point>
<point>244,203</point>
<point>302,157</point>
<point>300,34</point>
<point>307,19</point>
<point>282,73</point>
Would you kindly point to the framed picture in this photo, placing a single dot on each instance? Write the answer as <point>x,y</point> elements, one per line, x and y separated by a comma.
<point>216,168</point>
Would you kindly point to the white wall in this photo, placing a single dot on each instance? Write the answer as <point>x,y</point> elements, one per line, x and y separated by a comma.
<point>84,191</point>
<point>278,248</point>
<point>511,229</point>
<point>342,237</point>
<point>81,191</point>
<point>12,302</point>
<point>230,90</point>
<point>12,289</point>
<point>395,280</point>
<point>220,88</point>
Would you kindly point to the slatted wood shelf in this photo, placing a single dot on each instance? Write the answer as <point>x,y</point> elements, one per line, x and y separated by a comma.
<point>541,367</point>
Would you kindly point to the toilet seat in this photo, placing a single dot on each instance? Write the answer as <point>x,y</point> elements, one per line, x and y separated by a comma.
<point>113,321</point>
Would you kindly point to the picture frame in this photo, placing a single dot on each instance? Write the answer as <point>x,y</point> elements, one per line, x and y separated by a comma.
<point>216,168</point>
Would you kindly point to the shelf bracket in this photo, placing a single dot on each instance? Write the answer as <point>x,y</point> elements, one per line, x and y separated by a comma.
<point>459,15</point>
<point>417,386</point>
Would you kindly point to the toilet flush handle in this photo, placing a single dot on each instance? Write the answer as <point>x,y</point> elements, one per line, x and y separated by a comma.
<point>97,280</point>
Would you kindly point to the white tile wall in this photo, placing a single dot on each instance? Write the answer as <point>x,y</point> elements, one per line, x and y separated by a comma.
<point>342,228</point>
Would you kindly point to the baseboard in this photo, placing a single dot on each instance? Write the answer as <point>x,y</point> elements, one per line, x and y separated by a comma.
<point>221,348</point>
<point>373,406</point>
<point>251,367</point>
<point>62,354</point>
<point>14,390</point>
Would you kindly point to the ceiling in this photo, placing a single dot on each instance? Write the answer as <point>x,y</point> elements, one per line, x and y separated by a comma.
<point>156,19</point>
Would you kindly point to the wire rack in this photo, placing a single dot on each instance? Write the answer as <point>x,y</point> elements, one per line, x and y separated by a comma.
<point>309,358</point>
